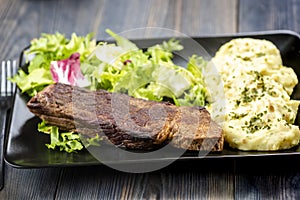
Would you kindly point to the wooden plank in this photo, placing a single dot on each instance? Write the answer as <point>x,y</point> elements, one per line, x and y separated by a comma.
<point>259,15</point>
<point>8,25</point>
<point>19,24</point>
<point>30,183</point>
<point>203,180</point>
<point>100,182</point>
<point>268,178</point>
<point>277,186</point>
<point>283,185</point>
<point>209,17</point>
<point>195,18</point>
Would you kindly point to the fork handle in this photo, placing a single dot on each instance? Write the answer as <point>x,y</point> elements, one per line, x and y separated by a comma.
<point>3,119</point>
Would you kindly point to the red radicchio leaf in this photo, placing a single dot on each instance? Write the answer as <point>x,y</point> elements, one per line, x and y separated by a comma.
<point>67,71</point>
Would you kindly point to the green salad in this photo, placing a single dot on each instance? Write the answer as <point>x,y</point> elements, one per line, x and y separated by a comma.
<point>119,67</point>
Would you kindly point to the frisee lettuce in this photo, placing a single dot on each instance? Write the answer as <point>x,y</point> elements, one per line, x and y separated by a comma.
<point>149,74</point>
<point>43,50</point>
<point>65,141</point>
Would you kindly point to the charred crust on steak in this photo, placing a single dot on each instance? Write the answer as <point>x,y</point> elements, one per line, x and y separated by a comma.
<point>126,121</point>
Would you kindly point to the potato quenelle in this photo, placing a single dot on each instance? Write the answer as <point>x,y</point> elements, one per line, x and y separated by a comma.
<point>259,112</point>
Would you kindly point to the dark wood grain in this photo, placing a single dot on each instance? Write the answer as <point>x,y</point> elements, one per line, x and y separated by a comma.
<point>30,183</point>
<point>101,183</point>
<point>203,180</point>
<point>258,15</point>
<point>275,186</point>
<point>276,178</point>
<point>23,20</point>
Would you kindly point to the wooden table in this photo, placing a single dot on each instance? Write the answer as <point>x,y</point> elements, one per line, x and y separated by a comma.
<point>20,21</point>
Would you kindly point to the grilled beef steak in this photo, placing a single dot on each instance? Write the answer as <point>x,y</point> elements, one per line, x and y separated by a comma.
<point>126,121</point>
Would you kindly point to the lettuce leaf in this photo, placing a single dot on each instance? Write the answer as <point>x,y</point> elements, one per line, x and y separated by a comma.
<point>68,71</point>
<point>33,82</point>
<point>149,74</point>
<point>64,141</point>
<point>122,42</point>
<point>43,50</point>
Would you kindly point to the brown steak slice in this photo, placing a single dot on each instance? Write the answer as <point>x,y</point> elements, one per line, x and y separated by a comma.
<point>126,121</point>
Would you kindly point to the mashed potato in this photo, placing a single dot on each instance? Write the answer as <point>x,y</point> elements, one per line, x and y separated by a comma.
<point>259,112</point>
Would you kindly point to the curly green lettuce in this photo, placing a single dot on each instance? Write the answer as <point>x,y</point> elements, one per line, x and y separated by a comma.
<point>146,73</point>
<point>43,50</point>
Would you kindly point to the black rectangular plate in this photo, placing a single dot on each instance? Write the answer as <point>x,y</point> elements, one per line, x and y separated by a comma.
<point>25,146</point>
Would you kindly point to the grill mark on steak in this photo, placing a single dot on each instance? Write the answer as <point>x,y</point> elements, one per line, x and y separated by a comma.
<point>126,121</point>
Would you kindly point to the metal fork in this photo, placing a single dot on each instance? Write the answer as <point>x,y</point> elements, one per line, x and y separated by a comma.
<point>7,89</point>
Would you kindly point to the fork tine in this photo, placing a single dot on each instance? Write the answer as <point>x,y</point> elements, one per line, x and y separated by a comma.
<point>13,72</point>
<point>3,79</point>
<point>7,89</point>
<point>8,74</point>
<point>2,82</point>
<point>8,70</point>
